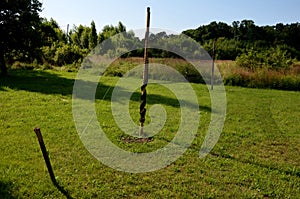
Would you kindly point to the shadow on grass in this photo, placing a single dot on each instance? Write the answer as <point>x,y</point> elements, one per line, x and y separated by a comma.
<point>5,190</point>
<point>52,83</point>
<point>257,163</point>
<point>6,193</point>
<point>62,190</point>
<point>37,81</point>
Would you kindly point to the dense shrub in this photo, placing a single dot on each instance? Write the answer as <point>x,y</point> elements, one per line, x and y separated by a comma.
<point>60,54</point>
<point>274,58</point>
<point>67,54</point>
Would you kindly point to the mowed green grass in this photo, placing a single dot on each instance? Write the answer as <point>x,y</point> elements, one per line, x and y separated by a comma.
<point>257,155</point>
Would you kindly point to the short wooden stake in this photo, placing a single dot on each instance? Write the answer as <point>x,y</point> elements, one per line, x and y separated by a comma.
<point>45,154</point>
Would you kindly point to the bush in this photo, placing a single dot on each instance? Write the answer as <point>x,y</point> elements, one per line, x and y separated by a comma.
<point>274,58</point>
<point>23,66</point>
<point>60,54</point>
<point>289,82</point>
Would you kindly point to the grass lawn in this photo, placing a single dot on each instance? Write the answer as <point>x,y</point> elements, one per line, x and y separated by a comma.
<point>257,156</point>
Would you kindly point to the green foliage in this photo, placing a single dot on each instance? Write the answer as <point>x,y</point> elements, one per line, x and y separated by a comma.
<point>93,36</point>
<point>67,54</point>
<point>274,58</point>
<point>225,49</point>
<point>51,32</point>
<point>44,41</point>
<point>247,35</point>
<point>110,30</point>
<point>209,32</point>
<point>60,54</point>
<point>20,23</point>
<point>162,46</point>
<point>24,66</point>
<point>80,36</point>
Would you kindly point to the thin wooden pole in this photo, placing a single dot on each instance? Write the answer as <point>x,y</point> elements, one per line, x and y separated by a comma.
<point>145,76</point>
<point>45,154</point>
<point>213,66</point>
<point>68,36</point>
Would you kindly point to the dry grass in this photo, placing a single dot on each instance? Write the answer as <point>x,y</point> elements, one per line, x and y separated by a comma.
<point>287,79</point>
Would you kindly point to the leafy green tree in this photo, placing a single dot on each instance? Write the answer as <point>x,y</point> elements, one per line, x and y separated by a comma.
<point>110,30</point>
<point>19,27</point>
<point>212,31</point>
<point>247,35</point>
<point>93,36</point>
<point>225,49</point>
<point>83,36</point>
<point>84,39</point>
<point>75,34</point>
<point>51,32</point>
<point>121,27</point>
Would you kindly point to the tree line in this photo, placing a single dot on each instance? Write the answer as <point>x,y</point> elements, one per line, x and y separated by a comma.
<point>239,37</point>
<point>26,37</point>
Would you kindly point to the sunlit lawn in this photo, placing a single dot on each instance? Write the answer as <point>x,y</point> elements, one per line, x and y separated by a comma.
<point>257,155</point>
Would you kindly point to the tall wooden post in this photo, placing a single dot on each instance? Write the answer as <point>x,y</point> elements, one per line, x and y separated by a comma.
<point>213,66</point>
<point>145,76</point>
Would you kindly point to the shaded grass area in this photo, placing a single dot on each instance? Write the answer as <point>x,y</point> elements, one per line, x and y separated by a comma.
<point>5,190</point>
<point>257,155</point>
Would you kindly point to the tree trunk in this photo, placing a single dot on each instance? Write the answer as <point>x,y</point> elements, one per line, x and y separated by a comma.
<point>3,67</point>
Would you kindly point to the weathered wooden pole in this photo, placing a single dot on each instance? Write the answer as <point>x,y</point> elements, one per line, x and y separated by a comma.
<point>45,154</point>
<point>145,76</point>
<point>213,66</point>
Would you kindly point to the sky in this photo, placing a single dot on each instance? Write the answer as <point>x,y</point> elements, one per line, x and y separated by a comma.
<point>174,15</point>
